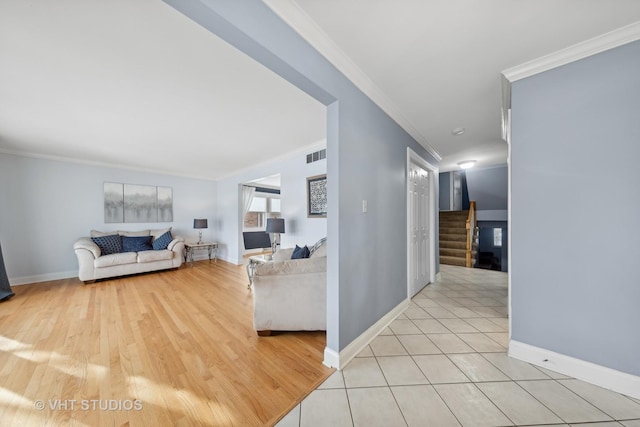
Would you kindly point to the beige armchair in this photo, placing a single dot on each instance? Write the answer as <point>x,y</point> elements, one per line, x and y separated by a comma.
<point>291,294</point>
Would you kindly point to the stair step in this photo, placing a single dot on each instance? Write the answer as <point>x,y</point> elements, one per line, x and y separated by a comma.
<point>453,237</point>
<point>453,223</point>
<point>446,230</point>
<point>460,253</point>
<point>452,214</point>
<point>450,260</point>
<point>453,245</point>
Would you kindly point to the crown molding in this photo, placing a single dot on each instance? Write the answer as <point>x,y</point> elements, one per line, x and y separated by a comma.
<point>291,13</point>
<point>99,164</point>
<point>610,40</point>
<point>319,145</point>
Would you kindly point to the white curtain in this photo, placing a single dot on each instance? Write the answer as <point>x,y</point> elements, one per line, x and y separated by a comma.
<point>247,198</point>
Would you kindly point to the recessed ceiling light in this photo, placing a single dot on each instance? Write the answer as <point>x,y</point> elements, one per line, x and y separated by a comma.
<point>467,164</point>
<point>458,131</point>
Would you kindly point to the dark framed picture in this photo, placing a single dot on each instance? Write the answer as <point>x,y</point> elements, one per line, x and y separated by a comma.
<point>317,196</point>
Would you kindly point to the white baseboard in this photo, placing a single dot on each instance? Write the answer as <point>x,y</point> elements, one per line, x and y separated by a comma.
<point>37,278</point>
<point>24,280</point>
<point>336,360</point>
<point>234,261</point>
<point>602,376</point>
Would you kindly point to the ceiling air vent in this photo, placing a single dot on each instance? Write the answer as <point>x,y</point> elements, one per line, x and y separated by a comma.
<point>318,155</point>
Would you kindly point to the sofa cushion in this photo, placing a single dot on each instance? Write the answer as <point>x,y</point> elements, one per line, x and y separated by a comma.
<point>320,243</point>
<point>319,249</point>
<point>161,242</point>
<point>116,259</point>
<point>111,244</point>
<point>159,232</point>
<point>150,256</point>
<point>96,233</point>
<point>299,253</point>
<point>136,244</point>
<point>134,233</point>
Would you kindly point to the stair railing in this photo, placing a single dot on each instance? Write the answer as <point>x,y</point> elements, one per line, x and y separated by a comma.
<point>472,222</point>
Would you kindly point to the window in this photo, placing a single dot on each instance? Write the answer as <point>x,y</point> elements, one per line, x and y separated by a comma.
<point>497,237</point>
<point>275,205</point>
<point>262,207</point>
<point>258,204</point>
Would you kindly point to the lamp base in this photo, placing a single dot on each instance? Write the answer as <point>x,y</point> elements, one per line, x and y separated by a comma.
<point>274,245</point>
<point>199,237</point>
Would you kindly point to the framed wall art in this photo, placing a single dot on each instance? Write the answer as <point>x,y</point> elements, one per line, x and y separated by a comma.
<point>137,203</point>
<point>317,196</point>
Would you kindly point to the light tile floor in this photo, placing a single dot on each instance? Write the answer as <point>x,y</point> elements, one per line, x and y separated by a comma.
<point>443,362</point>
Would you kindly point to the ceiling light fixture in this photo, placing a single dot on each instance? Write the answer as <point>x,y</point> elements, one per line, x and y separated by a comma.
<point>467,164</point>
<point>458,131</point>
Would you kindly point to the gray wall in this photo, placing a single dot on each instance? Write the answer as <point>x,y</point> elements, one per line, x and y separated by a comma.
<point>574,211</point>
<point>366,159</point>
<point>45,205</point>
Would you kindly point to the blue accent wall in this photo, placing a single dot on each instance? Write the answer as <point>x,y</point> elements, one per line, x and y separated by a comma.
<point>574,209</point>
<point>366,160</point>
<point>465,191</point>
<point>488,187</point>
<point>445,191</point>
<point>485,241</point>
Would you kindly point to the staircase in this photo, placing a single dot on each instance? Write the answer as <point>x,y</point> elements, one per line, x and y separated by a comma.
<point>453,239</point>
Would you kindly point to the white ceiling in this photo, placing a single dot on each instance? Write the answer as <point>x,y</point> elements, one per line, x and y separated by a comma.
<point>136,84</point>
<point>439,61</point>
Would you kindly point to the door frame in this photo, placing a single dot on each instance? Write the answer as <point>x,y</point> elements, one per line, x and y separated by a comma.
<point>413,157</point>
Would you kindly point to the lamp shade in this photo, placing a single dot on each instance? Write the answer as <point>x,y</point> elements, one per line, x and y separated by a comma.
<point>275,225</point>
<point>200,223</point>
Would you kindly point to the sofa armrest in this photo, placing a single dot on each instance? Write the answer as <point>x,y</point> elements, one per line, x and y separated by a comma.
<point>172,245</point>
<point>87,243</point>
<point>177,247</point>
<point>87,252</point>
<point>292,266</point>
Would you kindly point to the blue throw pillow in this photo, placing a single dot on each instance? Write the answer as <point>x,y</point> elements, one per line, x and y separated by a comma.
<point>299,253</point>
<point>136,244</point>
<point>162,241</point>
<point>111,244</point>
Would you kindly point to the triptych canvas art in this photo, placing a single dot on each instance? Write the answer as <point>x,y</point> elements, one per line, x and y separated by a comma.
<point>137,203</point>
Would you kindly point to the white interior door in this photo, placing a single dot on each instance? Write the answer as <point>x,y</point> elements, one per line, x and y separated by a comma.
<point>419,256</point>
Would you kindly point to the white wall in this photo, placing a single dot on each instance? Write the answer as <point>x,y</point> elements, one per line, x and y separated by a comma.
<point>293,171</point>
<point>45,205</point>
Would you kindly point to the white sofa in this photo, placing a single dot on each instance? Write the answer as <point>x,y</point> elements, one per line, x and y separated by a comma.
<point>93,265</point>
<point>291,294</point>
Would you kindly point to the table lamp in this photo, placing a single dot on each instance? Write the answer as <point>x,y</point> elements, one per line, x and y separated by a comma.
<point>199,224</point>
<point>275,226</point>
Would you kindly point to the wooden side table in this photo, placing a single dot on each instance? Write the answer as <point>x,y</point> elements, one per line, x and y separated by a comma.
<point>211,247</point>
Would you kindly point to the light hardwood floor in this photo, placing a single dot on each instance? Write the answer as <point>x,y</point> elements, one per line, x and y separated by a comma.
<point>180,342</point>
